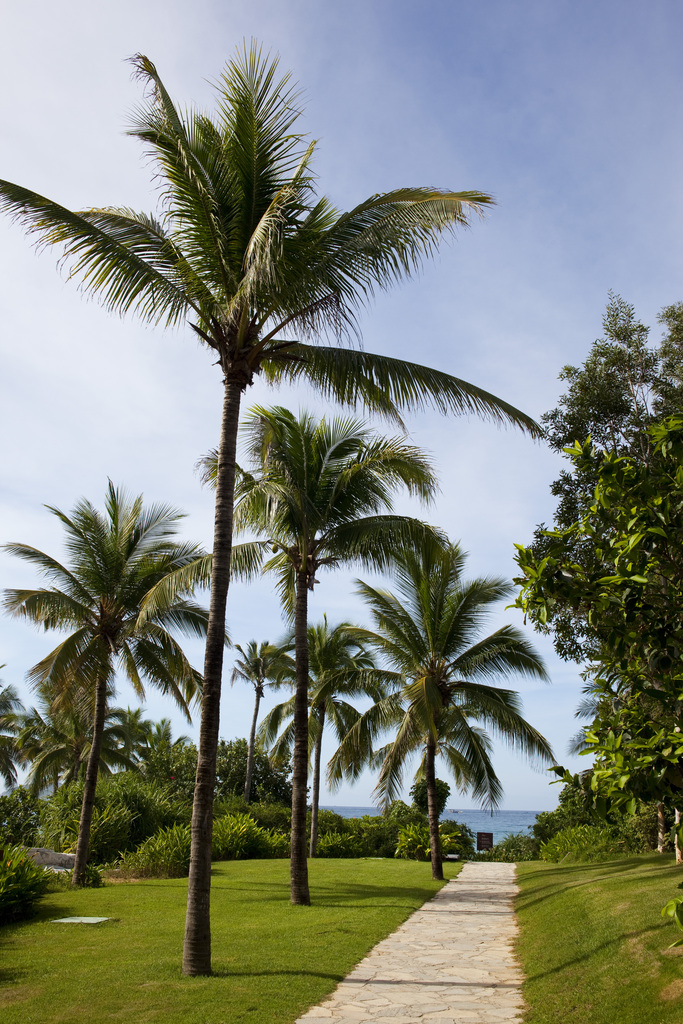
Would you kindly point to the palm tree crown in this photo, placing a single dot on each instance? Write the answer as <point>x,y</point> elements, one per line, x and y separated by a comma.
<point>340,669</point>
<point>11,709</point>
<point>122,593</point>
<point>260,664</point>
<point>319,493</point>
<point>429,632</point>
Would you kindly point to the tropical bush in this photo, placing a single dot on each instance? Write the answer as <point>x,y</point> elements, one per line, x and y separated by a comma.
<point>413,842</point>
<point>128,810</point>
<point>341,844</point>
<point>581,842</point>
<point>238,837</point>
<point>22,883</point>
<point>515,847</point>
<point>110,831</point>
<point>19,818</point>
<point>164,855</point>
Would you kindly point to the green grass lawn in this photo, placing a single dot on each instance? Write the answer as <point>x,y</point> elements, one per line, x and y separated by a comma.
<point>271,960</point>
<point>593,945</point>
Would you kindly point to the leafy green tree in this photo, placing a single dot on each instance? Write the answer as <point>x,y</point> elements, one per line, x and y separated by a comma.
<point>625,385</point>
<point>260,664</point>
<point>319,494</point>
<point>123,589</point>
<point>173,766</point>
<point>420,796</point>
<point>339,669</point>
<point>271,778</point>
<point>428,632</point>
<point>260,267</point>
<point>19,818</point>
<point>633,593</point>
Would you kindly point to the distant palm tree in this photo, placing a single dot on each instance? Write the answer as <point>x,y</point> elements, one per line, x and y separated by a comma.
<point>260,664</point>
<point>429,633</point>
<point>260,267</point>
<point>10,710</point>
<point>339,668</point>
<point>124,588</point>
<point>55,741</point>
<point>320,495</point>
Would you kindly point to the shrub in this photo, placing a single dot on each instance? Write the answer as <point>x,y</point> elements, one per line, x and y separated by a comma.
<point>464,837</point>
<point>330,821</point>
<point>581,842</point>
<point>238,837</point>
<point>272,816</point>
<point>110,830</point>
<point>22,883</point>
<point>164,855</point>
<point>413,842</point>
<point>377,836</point>
<point>279,844</point>
<point>19,818</point>
<point>128,810</point>
<point>512,848</point>
<point>340,844</point>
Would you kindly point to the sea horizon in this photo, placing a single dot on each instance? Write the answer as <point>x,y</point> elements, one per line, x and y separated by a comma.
<point>500,822</point>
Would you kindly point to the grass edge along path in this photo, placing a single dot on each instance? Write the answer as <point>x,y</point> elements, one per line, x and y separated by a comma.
<point>593,946</point>
<point>272,961</point>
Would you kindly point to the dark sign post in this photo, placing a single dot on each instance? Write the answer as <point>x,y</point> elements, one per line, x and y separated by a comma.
<point>484,840</point>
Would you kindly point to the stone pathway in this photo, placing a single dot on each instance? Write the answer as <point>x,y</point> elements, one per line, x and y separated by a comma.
<point>451,962</point>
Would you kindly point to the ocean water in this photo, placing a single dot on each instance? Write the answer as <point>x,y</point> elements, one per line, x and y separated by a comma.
<point>500,823</point>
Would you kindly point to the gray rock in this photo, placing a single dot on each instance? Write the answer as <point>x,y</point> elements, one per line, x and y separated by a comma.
<point>51,859</point>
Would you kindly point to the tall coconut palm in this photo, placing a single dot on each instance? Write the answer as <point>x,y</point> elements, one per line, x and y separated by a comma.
<point>260,664</point>
<point>260,267</point>
<point>339,669</point>
<point>319,494</point>
<point>11,709</point>
<point>429,632</point>
<point>123,589</point>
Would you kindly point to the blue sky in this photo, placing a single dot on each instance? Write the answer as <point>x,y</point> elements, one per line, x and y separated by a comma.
<point>569,113</point>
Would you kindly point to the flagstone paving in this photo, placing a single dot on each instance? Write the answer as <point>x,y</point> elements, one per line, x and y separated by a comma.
<point>451,962</point>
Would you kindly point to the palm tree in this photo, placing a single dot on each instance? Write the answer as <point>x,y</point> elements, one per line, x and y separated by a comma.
<point>318,494</point>
<point>259,266</point>
<point>10,711</point>
<point>339,667</point>
<point>429,633</point>
<point>113,597</point>
<point>55,741</point>
<point>258,665</point>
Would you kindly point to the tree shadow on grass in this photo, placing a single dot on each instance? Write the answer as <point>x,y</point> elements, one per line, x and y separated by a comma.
<point>591,953</point>
<point>227,972</point>
<point>627,872</point>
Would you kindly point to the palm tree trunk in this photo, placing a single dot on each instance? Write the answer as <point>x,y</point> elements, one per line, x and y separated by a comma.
<point>300,894</point>
<point>197,946</point>
<point>661,827</point>
<point>252,744</point>
<point>81,858</point>
<point>433,811</point>
<point>315,796</point>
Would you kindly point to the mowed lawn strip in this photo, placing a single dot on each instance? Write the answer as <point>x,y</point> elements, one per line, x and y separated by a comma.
<point>592,943</point>
<point>271,960</point>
